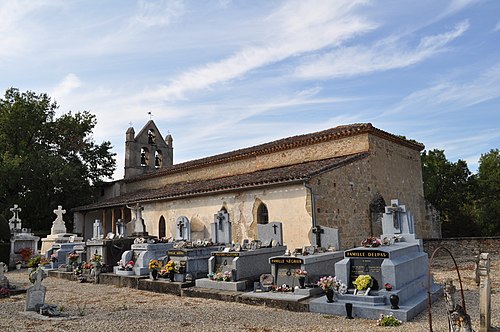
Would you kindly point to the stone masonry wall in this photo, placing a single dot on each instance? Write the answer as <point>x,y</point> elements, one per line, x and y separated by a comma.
<point>465,246</point>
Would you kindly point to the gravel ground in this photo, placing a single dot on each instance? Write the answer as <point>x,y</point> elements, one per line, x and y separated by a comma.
<point>107,308</point>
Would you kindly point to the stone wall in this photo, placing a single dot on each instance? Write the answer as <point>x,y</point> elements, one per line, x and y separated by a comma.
<point>463,246</point>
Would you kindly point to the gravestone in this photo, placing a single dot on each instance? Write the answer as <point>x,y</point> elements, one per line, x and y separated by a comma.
<point>325,237</point>
<point>120,229</point>
<point>401,263</point>
<point>284,268</point>
<point>58,233</point>
<point>267,233</point>
<point>398,221</point>
<point>138,228</point>
<point>182,229</point>
<point>20,237</point>
<point>35,295</point>
<point>221,228</point>
<point>15,222</point>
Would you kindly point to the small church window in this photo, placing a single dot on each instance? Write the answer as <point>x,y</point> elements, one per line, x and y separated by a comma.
<point>151,137</point>
<point>162,228</point>
<point>262,214</point>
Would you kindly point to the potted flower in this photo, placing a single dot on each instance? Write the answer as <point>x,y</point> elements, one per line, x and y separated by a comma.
<point>154,265</point>
<point>44,261</point>
<point>362,283</point>
<point>388,286</point>
<point>73,258</point>
<point>301,274</point>
<point>170,269</point>
<point>26,254</point>
<point>332,287</point>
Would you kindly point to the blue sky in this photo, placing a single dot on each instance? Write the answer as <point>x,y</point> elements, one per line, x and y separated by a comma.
<point>223,75</point>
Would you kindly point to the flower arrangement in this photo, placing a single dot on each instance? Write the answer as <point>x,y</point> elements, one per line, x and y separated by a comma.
<point>96,258</point>
<point>126,266</point>
<point>371,242</point>
<point>363,282</point>
<point>220,276</point>
<point>154,264</point>
<point>388,320</point>
<point>44,261</point>
<point>388,286</point>
<point>329,282</point>
<point>300,273</point>
<point>73,257</point>
<point>26,253</point>
<point>171,266</point>
<point>87,266</point>
<point>34,261</point>
<point>282,289</point>
<point>53,257</point>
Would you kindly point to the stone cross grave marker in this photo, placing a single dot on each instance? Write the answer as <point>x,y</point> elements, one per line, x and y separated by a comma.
<point>221,228</point>
<point>137,222</point>
<point>15,222</point>
<point>97,229</point>
<point>397,219</point>
<point>35,295</point>
<point>58,226</point>
<point>269,232</point>
<point>182,229</point>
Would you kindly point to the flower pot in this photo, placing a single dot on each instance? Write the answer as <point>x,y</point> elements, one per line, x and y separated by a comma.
<point>394,301</point>
<point>171,276</point>
<point>154,274</point>
<point>348,310</point>
<point>330,296</point>
<point>302,282</point>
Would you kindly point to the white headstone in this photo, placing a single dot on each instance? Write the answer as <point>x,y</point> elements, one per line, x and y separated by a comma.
<point>97,227</point>
<point>58,226</point>
<point>15,222</point>
<point>397,220</point>
<point>35,295</point>
<point>137,222</point>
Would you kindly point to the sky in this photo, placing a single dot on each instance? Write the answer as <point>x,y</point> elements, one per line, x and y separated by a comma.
<point>222,75</point>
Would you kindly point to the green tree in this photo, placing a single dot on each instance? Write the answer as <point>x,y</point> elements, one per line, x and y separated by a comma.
<point>47,161</point>
<point>449,187</point>
<point>488,180</point>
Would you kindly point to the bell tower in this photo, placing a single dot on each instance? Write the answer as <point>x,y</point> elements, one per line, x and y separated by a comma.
<point>147,151</point>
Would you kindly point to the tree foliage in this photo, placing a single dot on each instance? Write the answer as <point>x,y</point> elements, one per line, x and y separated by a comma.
<point>469,204</point>
<point>488,185</point>
<point>47,161</point>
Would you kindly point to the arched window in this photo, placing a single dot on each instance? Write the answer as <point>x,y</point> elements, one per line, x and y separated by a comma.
<point>158,159</point>
<point>151,136</point>
<point>144,156</point>
<point>262,214</point>
<point>162,231</point>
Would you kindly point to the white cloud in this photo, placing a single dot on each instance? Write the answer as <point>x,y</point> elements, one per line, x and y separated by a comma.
<point>67,85</point>
<point>383,55</point>
<point>159,13</point>
<point>455,94</point>
<point>294,29</point>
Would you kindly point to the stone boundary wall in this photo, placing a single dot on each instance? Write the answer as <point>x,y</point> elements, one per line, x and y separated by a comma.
<point>464,246</point>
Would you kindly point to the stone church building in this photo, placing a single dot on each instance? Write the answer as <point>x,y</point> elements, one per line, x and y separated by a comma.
<point>339,178</point>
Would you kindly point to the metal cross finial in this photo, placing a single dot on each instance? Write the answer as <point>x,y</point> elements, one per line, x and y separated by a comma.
<point>150,115</point>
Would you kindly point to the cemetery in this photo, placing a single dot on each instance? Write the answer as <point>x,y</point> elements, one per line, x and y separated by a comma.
<point>383,277</point>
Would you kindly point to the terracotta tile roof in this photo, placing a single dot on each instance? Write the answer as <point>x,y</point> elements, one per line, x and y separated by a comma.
<point>280,145</point>
<point>280,175</point>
